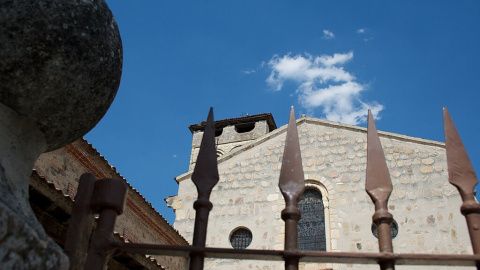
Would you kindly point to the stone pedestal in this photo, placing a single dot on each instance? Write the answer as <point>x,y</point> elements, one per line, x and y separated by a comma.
<point>60,68</point>
<point>24,243</point>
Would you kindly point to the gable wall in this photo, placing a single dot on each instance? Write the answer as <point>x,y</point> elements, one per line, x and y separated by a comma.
<point>425,206</point>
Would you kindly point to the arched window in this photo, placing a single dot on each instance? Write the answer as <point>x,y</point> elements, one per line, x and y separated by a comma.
<point>311,227</point>
<point>245,127</point>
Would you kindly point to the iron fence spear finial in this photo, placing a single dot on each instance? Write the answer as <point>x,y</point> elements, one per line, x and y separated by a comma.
<point>205,177</point>
<point>292,185</point>
<point>462,176</point>
<point>379,187</point>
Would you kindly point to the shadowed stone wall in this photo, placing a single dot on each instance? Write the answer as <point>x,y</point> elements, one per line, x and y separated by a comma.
<point>139,223</point>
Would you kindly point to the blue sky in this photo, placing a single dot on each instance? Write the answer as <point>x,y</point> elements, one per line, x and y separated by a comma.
<point>329,59</point>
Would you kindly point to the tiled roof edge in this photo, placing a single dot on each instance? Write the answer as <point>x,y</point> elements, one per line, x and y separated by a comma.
<point>149,257</point>
<point>95,151</point>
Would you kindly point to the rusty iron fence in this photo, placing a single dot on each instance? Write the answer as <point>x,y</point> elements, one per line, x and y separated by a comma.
<point>106,197</point>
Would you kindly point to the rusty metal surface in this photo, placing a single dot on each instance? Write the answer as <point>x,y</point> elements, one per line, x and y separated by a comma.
<point>205,177</point>
<point>81,223</point>
<point>100,249</point>
<point>379,187</point>
<point>108,199</point>
<point>305,256</point>
<point>292,185</point>
<point>462,176</point>
<point>109,193</point>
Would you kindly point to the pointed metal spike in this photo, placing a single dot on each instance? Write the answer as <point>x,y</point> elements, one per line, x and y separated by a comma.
<point>292,182</point>
<point>460,170</point>
<point>377,183</point>
<point>379,187</point>
<point>205,175</point>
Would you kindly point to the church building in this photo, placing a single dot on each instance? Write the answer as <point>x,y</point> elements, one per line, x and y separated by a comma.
<point>336,210</point>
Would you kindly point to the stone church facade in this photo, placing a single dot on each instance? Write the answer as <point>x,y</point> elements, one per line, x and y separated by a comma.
<point>425,207</point>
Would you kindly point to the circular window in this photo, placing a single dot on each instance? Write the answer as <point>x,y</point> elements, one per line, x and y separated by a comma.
<point>241,238</point>
<point>393,229</point>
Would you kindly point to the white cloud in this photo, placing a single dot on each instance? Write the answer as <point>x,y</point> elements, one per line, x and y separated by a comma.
<point>250,71</point>
<point>323,83</point>
<point>363,31</point>
<point>328,34</point>
<point>253,70</point>
<point>337,58</point>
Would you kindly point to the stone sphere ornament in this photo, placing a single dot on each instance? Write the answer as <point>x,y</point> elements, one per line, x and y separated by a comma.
<point>60,64</point>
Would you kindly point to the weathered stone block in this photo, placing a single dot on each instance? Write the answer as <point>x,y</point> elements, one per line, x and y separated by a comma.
<point>60,64</point>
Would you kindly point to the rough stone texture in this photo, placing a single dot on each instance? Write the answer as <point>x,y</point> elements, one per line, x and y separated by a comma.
<point>23,242</point>
<point>25,247</point>
<point>60,64</point>
<point>228,141</point>
<point>60,68</point>
<point>423,203</point>
<point>139,223</point>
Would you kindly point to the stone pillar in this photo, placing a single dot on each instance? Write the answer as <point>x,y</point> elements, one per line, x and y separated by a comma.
<point>23,242</point>
<point>60,68</point>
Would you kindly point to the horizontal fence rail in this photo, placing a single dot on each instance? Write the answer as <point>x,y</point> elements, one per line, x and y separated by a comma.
<point>304,256</point>
<point>95,196</point>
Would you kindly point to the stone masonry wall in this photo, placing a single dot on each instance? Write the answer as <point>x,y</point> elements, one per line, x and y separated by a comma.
<point>229,140</point>
<point>136,224</point>
<point>423,203</point>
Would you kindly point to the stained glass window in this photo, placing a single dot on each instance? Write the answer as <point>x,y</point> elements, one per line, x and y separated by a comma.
<point>241,238</point>
<point>311,227</point>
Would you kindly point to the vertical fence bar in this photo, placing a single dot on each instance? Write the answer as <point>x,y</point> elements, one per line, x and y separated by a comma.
<point>462,176</point>
<point>81,223</point>
<point>292,185</point>
<point>205,177</point>
<point>107,196</point>
<point>109,199</point>
<point>379,186</point>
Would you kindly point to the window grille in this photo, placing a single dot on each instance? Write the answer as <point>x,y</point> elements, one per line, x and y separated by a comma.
<point>311,227</point>
<point>241,238</point>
